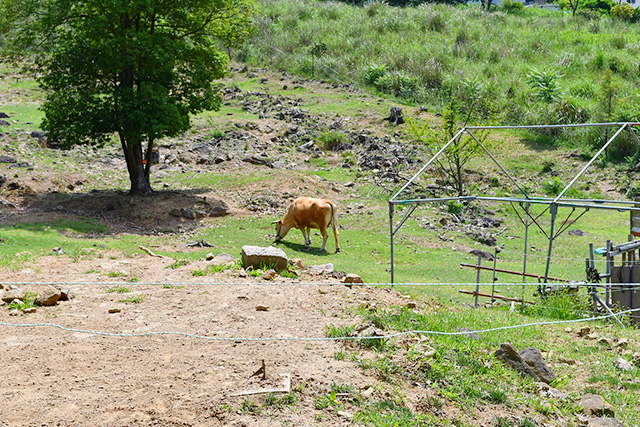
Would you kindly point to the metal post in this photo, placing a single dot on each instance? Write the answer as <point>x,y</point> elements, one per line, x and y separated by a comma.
<point>609,261</point>
<point>478,280</point>
<point>591,264</point>
<point>553,208</point>
<point>391,236</point>
<point>526,249</point>
<point>493,285</point>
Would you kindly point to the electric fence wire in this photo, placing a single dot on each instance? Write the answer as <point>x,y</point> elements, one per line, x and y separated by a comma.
<point>274,284</point>
<point>316,339</point>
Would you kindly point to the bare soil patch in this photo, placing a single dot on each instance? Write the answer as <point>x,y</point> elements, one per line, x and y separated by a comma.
<point>188,355</point>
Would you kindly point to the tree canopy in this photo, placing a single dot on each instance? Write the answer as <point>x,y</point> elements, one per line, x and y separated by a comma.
<point>133,68</point>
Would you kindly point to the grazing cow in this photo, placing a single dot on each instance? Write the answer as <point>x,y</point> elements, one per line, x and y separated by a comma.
<point>306,213</point>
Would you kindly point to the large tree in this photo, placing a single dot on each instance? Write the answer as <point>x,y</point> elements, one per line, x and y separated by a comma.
<point>132,68</point>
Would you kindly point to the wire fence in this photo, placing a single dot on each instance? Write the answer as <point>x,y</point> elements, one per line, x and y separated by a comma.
<point>583,315</point>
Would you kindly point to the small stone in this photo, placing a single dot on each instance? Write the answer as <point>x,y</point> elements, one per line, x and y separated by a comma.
<point>224,259</point>
<point>114,310</point>
<point>592,336</point>
<point>242,273</point>
<point>297,263</point>
<point>623,364</point>
<point>66,294</point>
<point>533,357</point>
<point>568,330</point>
<point>29,310</point>
<point>470,334</point>
<point>269,274</point>
<point>12,294</point>
<point>604,422</point>
<point>262,308</point>
<point>321,269</point>
<point>594,404</point>
<point>352,278</point>
<point>584,331</point>
<point>566,360</point>
<point>49,296</point>
<point>209,256</point>
<point>346,415</point>
<point>15,313</point>
<point>605,341</point>
<point>622,343</point>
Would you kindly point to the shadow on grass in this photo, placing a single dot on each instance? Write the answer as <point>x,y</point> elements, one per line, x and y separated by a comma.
<point>301,248</point>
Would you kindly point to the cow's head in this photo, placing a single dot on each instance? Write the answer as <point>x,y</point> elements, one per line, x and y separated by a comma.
<point>278,224</point>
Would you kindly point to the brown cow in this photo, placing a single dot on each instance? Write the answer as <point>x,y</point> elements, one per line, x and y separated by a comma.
<point>306,213</point>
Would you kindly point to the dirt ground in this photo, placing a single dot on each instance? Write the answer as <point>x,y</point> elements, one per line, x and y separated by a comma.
<point>191,351</point>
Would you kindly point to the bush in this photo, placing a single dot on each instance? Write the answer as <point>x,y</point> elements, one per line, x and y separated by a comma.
<point>511,6</point>
<point>373,73</point>
<point>331,139</point>
<point>623,12</point>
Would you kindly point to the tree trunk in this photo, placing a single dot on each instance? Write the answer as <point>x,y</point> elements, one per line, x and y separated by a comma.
<point>149,157</point>
<point>140,184</point>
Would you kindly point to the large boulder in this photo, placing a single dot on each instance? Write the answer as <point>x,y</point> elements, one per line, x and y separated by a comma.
<point>260,257</point>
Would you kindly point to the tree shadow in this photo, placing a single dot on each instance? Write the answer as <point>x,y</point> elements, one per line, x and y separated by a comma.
<point>160,212</point>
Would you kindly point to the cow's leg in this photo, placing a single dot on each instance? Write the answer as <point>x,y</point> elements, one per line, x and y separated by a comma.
<point>325,236</point>
<point>305,234</point>
<point>335,234</point>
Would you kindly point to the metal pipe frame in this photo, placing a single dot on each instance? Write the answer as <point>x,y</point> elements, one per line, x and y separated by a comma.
<point>553,204</point>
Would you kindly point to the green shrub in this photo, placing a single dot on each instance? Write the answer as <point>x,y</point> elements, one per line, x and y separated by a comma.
<point>331,139</point>
<point>373,73</point>
<point>552,187</point>
<point>454,207</point>
<point>511,6</point>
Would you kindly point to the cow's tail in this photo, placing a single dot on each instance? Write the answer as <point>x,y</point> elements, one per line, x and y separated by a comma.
<point>334,224</point>
<point>334,218</point>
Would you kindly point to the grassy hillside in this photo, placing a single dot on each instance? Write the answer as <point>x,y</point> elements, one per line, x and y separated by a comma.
<point>430,53</point>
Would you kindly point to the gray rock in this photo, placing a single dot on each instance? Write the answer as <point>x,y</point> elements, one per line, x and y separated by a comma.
<point>470,334</point>
<point>7,159</point>
<point>623,364</point>
<point>595,405</point>
<point>4,123</point>
<point>547,391</point>
<point>510,356</point>
<point>258,257</point>
<point>4,115</point>
<point>482,254</point>
<point>321,269</point>
<point>188,213</point>
<point>254,160</point>
<point>12,294</point>
<point>604,422</point>
<point>533,358</point>
<point>49,296</point>
<point>224,259</point>
<point>66,294</point>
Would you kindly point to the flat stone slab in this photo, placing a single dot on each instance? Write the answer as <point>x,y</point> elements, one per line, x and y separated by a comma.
<point>260,257</point>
